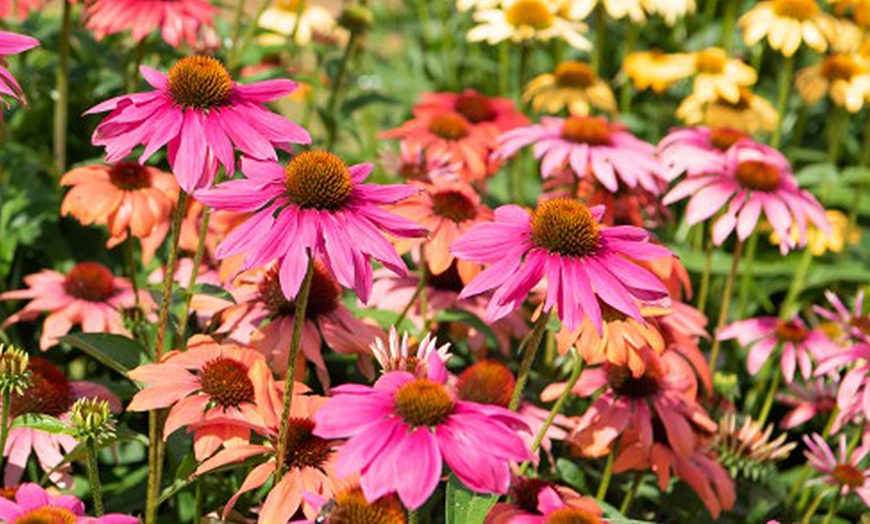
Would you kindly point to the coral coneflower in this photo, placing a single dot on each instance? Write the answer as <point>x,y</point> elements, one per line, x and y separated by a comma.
<point>529,20</point>
<point>12,44</point>
<point>50,393</point>
<point>799,344</point>
<point>264,317</point>
<point>573,86</point>
<point>188,21</point>
<point>564,241</point>
<point>89,295</point>
<point>418,419</point>
<point>789,23</point>
<point>128,198</point>
<point>591,147</point>
<point>447,210</point>
<point>349,506</point>
<point>200,114</point>
<point>475,107</point>
<point>841,470</point>
<point>314,206</point>
<point>33,504</point>
<point>755,179</point>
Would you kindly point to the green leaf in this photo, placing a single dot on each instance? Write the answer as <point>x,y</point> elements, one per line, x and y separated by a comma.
<point>614,516</point>
<point>213,291</point>
<point>115,351</point>
<point>463,506</point>
<point>466,317</point>
<point>357,103</point>
<point>42,422</point>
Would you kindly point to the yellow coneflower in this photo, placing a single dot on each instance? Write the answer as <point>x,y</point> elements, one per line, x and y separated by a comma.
<point>297,19</point>
<point>750,113</point>
<point>527,20</point>
<point>615,9</point>
<point>787,24</point>
<point>819,242</point>
<point>573,86</point>
<point>854,24</point>
<point>656,70</point>
<point>844,78</point>
<point>670,10</point>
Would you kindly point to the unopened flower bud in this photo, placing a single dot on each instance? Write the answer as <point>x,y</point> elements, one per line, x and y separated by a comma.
<point>14,375</point>
<point>92,420</point>
<point>356,18</point>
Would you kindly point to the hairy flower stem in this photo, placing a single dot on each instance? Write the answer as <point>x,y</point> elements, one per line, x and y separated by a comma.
<point>785,75</point>
<point>529,348</point>
<point>419,293</point>
<point>335,91</point>
<point>726,304</point>
<point>728,20</point>
<point>705,274</point>
<point>94,477</point>
<point>600,38</point>
<point>834,507</point>
<point>4,422</point>
<point>412,516</point>
<point>789,305</point>
<point>61,107</point>
<point>768,399</point>
<point>576,369</point>
<point>608,473</point>
<point>194,273</point>
<point>629,495</point>
<point>746,273</point>
<point>301,303</point>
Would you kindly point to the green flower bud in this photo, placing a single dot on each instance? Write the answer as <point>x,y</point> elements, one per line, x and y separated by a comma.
<point>356,18</point>
<point>14,375</point>
<point>92,421</point>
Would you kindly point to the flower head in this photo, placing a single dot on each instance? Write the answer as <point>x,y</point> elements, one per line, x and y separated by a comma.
<point>314,206</point>
<point>14,372</point>
<point>845,78</point>
<point>92,420</point>
<point>12,44</point>
<point>750,113</point>
<point>300,21</point>
<point>855,384</point>
<point>564,241</point>
<point>412,163</point>
<point>349,506</point>
<point>702,150</point>
<point>405,417</point>
<point>200,114</point>
<point>841,470</point>
<point>525,20</point>
<point>474,107</point>
<point>816,397</point>
<point>398,355</point>
<point>548,508</point>
<point>33,504</point>
<point>748,449</point>
<point>188,21</point>
<point>854,324</point>
<point>573,86</point>
<point>787,24</point>
<point>670,10</point>
<point>88,295</point>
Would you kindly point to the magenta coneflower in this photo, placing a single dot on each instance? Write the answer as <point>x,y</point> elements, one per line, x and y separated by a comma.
<point>853,395</point>
<point>590,146</point>
<point>854,324</point>
<point>12,44</point>
<point>841,470</point>
<point>315,204</point>
<point>564,241</point>
<point>200,114</point>
<point>190,21</point>
<point>700,150</point>
<point>31,503</point>
<point>754,178</point>
<point>799,344</point>
<point>409,419</point>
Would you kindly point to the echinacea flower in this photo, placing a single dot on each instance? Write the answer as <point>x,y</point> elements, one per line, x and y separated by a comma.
<point>573,86</point>
<point>749,448</point>
<point>128,198</point>
<point>841,470</point>
<point>844,78</point>
<point>854,324</point>
<point>819,242</point>
<point>50,393</point>
<point>475,107</point>
<point>755,179</point>
<point>447,209</point>
<point>670,10</point>
<point>89,295</point>
<point>807,401</point>
<point>349,506</point>
<point>655,69</point>
<point>591,147</point>
<point>524,502</point>
<point>751,113</point>
<point>12,44</point>
<point>410,419</point>
<point>853,394</point>
<point>188,21</point>
<point>399,355</point>
<point>33,504</point>
<point>208,381</point>
<point>200,114</point>
<point>298,20</point>
<point>528,20</point>
<point>552,509</point>
<point>798,343</point>
<point>310,463</point>
<point>789,23</point>
<point>563,241</point>
<point>615,9</point>
<point>701,150</point>
<point>412,163</point>
<point>263,317</point>
<point>314,206</point>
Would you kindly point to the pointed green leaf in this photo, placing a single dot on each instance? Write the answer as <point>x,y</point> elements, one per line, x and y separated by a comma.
<point>42,422</point>
<point>115,351</point>
<point>463,506</point>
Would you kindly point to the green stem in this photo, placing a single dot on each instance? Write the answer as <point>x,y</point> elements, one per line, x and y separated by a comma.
<point>726,304</point>
<point>608,473</point>
<point>421,286</point>
<point>4,422</point>
<point>576,370</point>
<point>728,21</point>
<point>785,75</point>
<point>629,496</point>
<point>746,274</point>
<point>705,275</point>
<point>625,91</point>
<point>771,393</point>
<point>332,127</point>
<point>811,510</point>
<point>194,272</point>
<point>789,305</point>
<point>529,347</point>
<point>864,160</point>
<point>833,510</point>
<point>522,72</point>
<point>61,108</point>
<point>301,303</point>
<point>238,50</point>
<point>300,8</point>
<point>94,477</point>
<point>835,131</point>
<point>600,38</point>
<point>504,66</point>
<point>412,517</point>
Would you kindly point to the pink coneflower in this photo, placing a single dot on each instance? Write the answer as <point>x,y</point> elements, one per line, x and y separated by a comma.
<point>550,508</point>
<point>190,21</point>
<point>799,344</point>
<point>754,178</point>
<point>409,419</point>
<point>854,324</point>
<point>591,147</point>
<point>12,44</point>
<point>89,295</point>
<point>701,150</point>
<point>209,381</point>
<point>393,293</point>
<point>128,198</point>
<point>50,393</point>
<point>412,163</point>
<point>263,317</point>
<point>310,461</point>
<point>666,393</point>
<point>841,470</point>
<point>314,205</point>
<point>807,401</point>
<point>476,108</point>
<point>447,210</point>
<point>33,504</point>
<point>451,135</point>
<point>396,355</point>
<point>563,241</point>
<point>853,395</point>
<point>524,502</point>
<point>200,114</point>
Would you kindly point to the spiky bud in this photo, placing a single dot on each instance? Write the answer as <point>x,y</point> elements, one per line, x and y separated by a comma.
<point>92,421</point>
<point>749,449</point>
<point>356,18</point>
<point>14,375</point>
